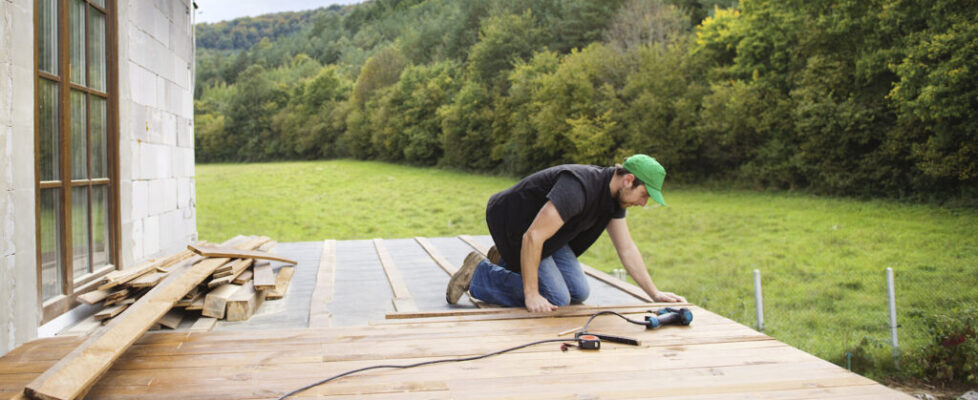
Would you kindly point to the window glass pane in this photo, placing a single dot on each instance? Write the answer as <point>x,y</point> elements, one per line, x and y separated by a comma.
<point>100,225</point>
<point>96,49</point>
<point>47,36</point>
<point>98,136</point>
<point>79,139</point>
<point>48,129</point>
<point>77,33</point>
<point>79,231</point>
<point>51,279</point>
<point>100,3</point>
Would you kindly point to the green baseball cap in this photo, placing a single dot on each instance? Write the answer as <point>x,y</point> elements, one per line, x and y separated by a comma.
<point>650,172</point>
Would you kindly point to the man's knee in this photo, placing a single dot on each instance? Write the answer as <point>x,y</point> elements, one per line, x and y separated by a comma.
<point>579,294</point>
<point>559,298</point>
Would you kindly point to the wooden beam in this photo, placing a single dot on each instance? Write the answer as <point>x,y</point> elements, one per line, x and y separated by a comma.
<point>215,303</point>
<point>264,277</point>
<point>243,278</point>
<point>281,283</point>
<point>475,244</point>
<point>203,324</point>
<point>626,287</point>
<point>74,374</point>
<point>319,316</point>
<point>211,251</point>
<point>172,319</point>
<point>402,297</point>
<point>436,256</point>
<point>244,303</point>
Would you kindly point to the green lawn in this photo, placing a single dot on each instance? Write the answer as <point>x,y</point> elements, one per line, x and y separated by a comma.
<point>822,259</point>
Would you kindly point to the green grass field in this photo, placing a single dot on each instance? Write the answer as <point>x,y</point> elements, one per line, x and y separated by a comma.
<point>822,259</point>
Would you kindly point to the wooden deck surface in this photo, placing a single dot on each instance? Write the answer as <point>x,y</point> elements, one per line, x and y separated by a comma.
<point>345,319</point>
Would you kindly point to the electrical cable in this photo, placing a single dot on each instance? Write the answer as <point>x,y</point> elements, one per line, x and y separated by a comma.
<point>310,386</point>
<point>471,358</point>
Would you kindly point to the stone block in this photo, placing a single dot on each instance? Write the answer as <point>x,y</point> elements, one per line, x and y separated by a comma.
<point>169,128</point>
<point>126,200</point>
<point>183,192</point>
<point>161,94</point>
<point>156,191</point>
<point>136,241</point>
<point>143,85</point>
<point>185,132</point>
<point>136,159</point>
<point>151,235</point>
<point>139,117</point>
<point>169,194</point>
<point>8,284</point>
<point>155,124</point>
<point>140,200</point>
<point>164,161</point>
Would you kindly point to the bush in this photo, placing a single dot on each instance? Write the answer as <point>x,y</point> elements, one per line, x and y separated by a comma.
<point>952,355</point>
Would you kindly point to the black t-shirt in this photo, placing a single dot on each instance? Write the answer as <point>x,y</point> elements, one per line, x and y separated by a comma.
<point>582,198</point>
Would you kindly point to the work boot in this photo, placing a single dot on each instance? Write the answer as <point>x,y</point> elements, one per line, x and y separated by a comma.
<point>459,283</point>
<point>493,255</point>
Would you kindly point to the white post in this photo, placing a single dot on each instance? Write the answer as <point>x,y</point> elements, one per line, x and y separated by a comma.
<point>893,320</point>
<point>757,300</point>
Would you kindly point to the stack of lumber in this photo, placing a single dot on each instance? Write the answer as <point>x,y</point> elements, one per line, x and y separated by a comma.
<point>233,291</point>
<point>74,374</point>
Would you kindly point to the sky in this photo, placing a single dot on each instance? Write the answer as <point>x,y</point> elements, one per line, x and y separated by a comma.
<point>224,10</point>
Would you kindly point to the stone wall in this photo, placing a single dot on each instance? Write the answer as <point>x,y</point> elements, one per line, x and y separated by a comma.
<point>156,127</point>
<point>19,304</point>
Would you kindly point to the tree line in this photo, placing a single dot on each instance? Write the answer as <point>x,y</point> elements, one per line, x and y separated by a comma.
<point>869,98</point>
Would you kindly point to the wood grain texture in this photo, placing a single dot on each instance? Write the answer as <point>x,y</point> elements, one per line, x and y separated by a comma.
<point>210,251</point>
<point>714,358</point>
<point>319,316</point>
<point>281,283</point>
<point>402,297</point>
<point>73,375</point>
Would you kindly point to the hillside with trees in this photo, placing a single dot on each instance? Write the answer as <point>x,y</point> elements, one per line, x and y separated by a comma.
<point>846,97</point>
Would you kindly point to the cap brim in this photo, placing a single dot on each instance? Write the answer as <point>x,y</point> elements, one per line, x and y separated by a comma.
<point>655,195</point>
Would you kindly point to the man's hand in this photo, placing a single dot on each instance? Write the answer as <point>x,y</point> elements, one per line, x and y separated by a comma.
<point>667,297</point>
<point>536,303</point>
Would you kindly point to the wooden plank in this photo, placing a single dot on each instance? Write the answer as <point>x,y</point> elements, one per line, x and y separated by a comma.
<point>319,316</point>
<point>93,297</point>
<point>244,277</point>
<point>73,375</point>
<point>213,251</point>
<point>244,303</point>
<point>281,283</point>
<point>264,277</point>
<point>197,304</point>
<point>402,297</point>
<point>436,256</point>
<point>116,278</point>
<point>148,280</point>
<point>516,311</point>
<point>215,303</point>
<point>482,249</point>
<point>110,312</point>
<point>172,319</point>
<point>203,324</point>
<point>626,287</point>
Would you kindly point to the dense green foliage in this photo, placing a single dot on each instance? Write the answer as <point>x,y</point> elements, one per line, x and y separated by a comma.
<point>840,97</point>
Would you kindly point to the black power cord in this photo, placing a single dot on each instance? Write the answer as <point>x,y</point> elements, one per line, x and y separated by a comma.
<point>471,358</point>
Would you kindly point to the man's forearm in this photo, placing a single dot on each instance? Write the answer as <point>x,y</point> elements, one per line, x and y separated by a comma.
<point>530,264</point>
<point>632,260</point>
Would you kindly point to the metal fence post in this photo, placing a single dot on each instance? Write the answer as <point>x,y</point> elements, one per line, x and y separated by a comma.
<point>757,300</point>
<point>893,319</point>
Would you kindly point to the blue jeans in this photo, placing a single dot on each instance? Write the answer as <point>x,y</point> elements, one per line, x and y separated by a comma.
<point>561,281</point>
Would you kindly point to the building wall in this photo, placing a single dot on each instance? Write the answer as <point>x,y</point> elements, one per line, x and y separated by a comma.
<point>19,306</point>
<point>156,127</point>
<point>156,160</point>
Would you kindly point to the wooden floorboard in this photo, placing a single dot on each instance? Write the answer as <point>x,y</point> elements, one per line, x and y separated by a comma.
<point>712,358</point>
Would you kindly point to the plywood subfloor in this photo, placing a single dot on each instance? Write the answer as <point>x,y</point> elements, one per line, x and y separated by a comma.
<point>712,358</point>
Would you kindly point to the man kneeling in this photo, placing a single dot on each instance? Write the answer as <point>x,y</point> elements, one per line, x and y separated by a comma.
<point>544,222</point>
